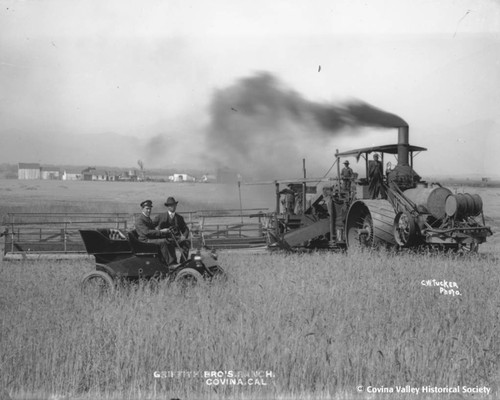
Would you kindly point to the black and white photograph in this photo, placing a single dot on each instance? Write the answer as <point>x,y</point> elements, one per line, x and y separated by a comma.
<point>249,200</point>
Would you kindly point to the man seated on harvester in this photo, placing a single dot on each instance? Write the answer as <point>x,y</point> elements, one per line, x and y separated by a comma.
<point>175,223</point>
<point>147,232</point>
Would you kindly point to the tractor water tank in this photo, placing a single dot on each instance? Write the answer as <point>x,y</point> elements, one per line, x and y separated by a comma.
<point>464,205</point>
<point>430,200</point>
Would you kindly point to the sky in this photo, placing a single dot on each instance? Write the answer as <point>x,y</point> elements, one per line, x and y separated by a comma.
<point>197,84</point>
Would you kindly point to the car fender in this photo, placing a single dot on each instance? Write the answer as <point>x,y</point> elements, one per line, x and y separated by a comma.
<point>106,269</point>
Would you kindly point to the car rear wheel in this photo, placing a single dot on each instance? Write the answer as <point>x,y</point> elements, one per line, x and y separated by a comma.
<point>97,283</point>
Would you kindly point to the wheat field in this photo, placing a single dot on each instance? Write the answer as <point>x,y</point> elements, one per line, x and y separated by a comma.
<point>319,325</point>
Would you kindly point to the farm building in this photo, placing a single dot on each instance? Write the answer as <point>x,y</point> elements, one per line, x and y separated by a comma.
<point>181,178</point>
<point>113,176</point>
<point>100,175</point>
<point>130,175</point>
<point>92,174</point>
<point>28,171</point>
<point>71,175</point>
<point>50,173</point>
<point>87,174</point>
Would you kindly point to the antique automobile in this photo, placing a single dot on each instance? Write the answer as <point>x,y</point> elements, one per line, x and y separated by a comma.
<point>120,256</point>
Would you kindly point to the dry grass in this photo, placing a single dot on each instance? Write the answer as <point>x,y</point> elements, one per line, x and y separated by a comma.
<point>322,323</point>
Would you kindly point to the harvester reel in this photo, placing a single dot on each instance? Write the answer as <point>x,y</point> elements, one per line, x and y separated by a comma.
<point>405,229</point>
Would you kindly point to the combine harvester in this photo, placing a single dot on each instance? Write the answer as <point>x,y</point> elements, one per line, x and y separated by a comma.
<point>412,213</point>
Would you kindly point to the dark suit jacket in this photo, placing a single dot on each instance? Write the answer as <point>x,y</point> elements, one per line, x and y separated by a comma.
<point>375,171</point>
<point>164,221</point>
<point>145,228</point>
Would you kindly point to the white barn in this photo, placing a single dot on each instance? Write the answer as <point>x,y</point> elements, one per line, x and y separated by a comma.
<point>28,171</point>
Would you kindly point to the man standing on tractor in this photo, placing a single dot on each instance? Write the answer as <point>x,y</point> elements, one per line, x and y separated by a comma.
<point>376,178</point>
<point>346,175</point>
<point>288,200</point>
<point>179,231</point>
<point>146,231</point>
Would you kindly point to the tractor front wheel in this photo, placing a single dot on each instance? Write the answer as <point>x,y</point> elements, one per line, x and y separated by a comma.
<point>405,229</point>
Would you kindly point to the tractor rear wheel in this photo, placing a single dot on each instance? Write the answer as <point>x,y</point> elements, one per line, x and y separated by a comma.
<point>97,283</point>
<point>369,223</point>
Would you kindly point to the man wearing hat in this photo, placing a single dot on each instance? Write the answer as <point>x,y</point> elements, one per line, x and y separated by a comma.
<point>346,175</point>
<point>146,231</point>
<point>178,227</point>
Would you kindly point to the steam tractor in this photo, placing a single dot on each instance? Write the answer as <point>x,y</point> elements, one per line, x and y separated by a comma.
<point>408,212</point>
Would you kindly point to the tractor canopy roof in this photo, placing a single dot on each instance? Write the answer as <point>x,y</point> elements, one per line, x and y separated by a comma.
<point>387,148</point>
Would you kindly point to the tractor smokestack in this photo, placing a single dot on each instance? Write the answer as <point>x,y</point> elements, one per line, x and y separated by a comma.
<point>403,174</point>
<point>403,145</point>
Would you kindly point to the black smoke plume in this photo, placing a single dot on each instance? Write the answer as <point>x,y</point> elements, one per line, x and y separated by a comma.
<point>260,128</point>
